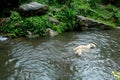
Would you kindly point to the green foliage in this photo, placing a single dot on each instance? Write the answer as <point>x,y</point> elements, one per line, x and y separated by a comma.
<point>94,9</point>
<point>11,27</point>
<point>116,74</point>
<point>67,16</point>
<point>37,24</point>
<point>65,11</point>
<point>59,28</point>
<point>18,26</point>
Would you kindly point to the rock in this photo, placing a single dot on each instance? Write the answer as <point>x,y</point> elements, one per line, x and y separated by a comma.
<point>54,20</point>
<point>33,8</point>
<point>51,32</point>
<point>3,38</point>
<point>87,23</point>
<point>31,35</point>
<point>17,24</point>
<point>118,27</point>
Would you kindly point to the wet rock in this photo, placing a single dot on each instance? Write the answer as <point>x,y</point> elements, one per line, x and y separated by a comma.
<point>51,32</point>
<point>3,38</point>
<point>32,9</point>
<point>54,20</point>
<point>118,27</point>
<point>17,24</point>
<point>31,35</point>
<point>87,23</point>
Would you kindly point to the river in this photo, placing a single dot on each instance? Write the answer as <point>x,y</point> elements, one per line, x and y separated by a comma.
<point>53,58</point>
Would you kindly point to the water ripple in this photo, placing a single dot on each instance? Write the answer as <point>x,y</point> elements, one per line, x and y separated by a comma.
<point>53,59</point>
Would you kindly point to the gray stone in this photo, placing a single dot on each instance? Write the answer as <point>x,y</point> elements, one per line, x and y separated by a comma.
<point>3,38</point>
<point>54,20</point>
<point>87,23</point>
<point>32,9</point>
<point>50,32</point>
<point>31,35</point>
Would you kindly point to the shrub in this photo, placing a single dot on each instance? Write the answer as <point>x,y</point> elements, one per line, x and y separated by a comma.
<point>18,26</point>
<point>37,24</point>
<point>67,16</point>
<point>116,74</point>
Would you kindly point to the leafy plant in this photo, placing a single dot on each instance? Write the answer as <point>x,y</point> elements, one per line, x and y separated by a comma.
<point>18,26</point>
<point>11,25</point>
<point>37,24</point>
<point>116,74</point>
<point>67,16</point>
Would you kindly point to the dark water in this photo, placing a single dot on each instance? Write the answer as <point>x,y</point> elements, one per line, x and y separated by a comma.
<point>53,58</point>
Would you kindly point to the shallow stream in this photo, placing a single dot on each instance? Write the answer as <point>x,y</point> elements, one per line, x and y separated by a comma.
<point>53,58</point>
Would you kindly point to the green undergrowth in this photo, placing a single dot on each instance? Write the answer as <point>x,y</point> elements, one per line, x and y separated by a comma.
<point>18,26</point>
<point>116,74</point>
<point>65,11</point>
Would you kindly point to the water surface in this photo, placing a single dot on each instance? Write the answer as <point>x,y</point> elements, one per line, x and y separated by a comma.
<point>53,58</point>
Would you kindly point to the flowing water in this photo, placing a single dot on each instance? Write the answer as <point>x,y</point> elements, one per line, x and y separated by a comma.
<point>53,58</point>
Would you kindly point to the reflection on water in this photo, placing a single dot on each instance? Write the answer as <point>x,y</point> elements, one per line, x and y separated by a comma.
<point>53,58</point>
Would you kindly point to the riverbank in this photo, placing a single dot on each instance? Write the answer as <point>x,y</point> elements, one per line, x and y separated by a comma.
<point>65,13</point>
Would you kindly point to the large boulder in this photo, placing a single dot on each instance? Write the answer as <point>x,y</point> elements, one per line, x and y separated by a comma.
<point>87,23</point>
<point>32,9</point>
